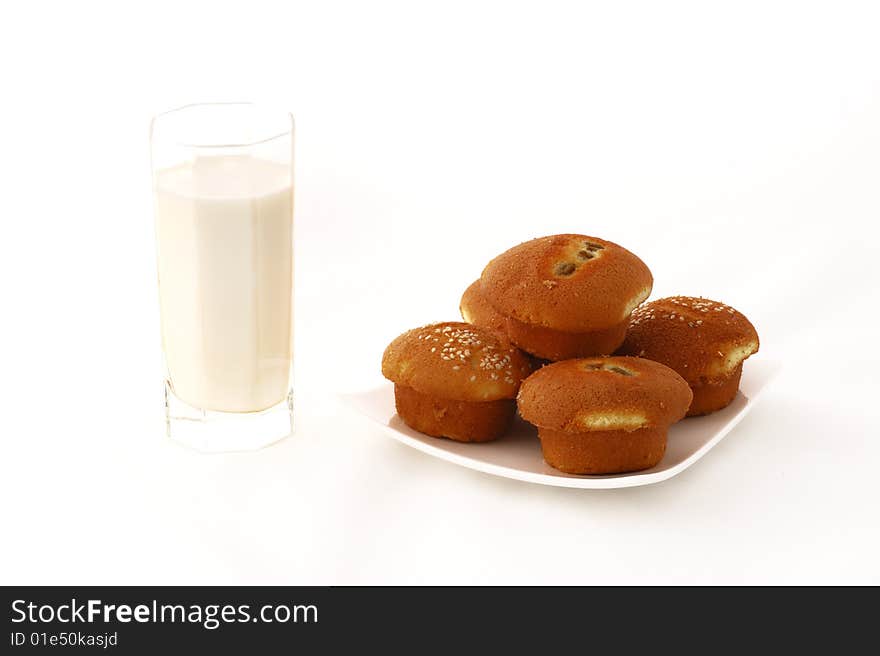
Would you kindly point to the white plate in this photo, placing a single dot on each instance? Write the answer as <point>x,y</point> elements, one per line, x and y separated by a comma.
<point>518,454</point>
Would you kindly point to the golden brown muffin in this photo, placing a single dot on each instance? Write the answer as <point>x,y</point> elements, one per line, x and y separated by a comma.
<point>560,297</point>
<point>704,341</point>
<point>455,380</point>
<point>476,310</point>
<point>603,415</point>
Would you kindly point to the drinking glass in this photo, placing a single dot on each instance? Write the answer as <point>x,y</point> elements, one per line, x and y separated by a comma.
<point>223,190</point>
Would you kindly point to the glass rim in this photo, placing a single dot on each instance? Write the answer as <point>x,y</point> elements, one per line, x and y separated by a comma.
<point>243,144</point>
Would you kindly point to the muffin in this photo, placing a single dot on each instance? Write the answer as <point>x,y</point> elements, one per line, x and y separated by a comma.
<point>704,341</point>
<point>603,415</point>
<point>455,380</point>
<point>476,310</point>
<point>560,297</point>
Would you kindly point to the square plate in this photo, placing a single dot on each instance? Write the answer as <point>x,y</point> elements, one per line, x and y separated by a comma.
<point>517,455</point>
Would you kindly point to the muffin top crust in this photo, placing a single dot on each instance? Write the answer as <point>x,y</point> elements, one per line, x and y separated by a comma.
<point>603,394</point>
<point>699,338</point>
<point>456,361</point>
<point>572,283</point>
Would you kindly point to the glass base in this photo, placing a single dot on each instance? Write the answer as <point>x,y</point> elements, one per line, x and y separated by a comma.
<point>218,432</point>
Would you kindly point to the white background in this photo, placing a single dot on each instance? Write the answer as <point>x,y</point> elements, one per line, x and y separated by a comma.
<point>735,147</point>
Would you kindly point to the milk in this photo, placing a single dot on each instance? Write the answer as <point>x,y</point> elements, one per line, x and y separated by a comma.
<point>225,256</point>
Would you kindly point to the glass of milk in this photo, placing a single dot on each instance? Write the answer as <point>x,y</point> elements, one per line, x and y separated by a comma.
<point>223,188</point>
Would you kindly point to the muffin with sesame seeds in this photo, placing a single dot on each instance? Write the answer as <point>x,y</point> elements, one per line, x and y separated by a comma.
<point>455,380</point>
<point>560,297</point>
<point>603,415</point>
<point>704,341</point>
